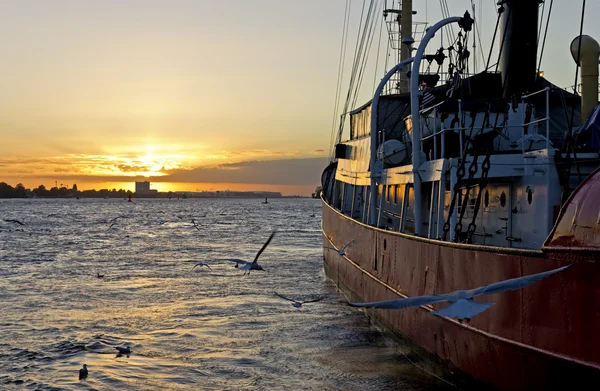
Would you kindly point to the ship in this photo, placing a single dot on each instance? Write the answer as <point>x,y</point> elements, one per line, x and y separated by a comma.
<point>451,179</point>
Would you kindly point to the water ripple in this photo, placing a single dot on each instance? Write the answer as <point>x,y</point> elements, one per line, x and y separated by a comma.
<point>188,329</point>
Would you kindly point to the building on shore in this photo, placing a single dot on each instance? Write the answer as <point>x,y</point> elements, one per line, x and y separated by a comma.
<point>143,188</point>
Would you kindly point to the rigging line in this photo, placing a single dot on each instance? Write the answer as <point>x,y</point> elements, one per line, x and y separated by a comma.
<point>358,54</point>
<point>487,65</point>
<point>579,50</point>
<point>450,26</point>
<point>359,61</point>
<point>446,14</point>
<point>545,33</point>
<point>387,53</point>
<point>341,67</point>
<point>364,51</point>
<point>352,75</point>
<point>541,23</point>
<point>340,74</point>
<point>377,56</point>
<point>479,33</point>
<point>365,55</point>
<point>502,42</point>
<point>398,55</point>
<point>475,21</point>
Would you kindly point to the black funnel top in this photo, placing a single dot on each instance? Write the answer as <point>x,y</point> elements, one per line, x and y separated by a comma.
<point>518,40</point>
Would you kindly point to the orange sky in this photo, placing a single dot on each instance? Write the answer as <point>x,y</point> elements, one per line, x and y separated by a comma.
<point>105,93</point>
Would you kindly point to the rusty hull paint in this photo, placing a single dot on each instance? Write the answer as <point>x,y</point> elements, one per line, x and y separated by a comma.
<point>527,340</point>
<point>578,225</point>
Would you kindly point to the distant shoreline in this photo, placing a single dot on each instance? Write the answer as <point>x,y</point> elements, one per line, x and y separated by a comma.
<point>150,197</point>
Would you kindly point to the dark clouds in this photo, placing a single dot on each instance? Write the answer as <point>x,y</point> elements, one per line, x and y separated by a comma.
<point>276,172</point>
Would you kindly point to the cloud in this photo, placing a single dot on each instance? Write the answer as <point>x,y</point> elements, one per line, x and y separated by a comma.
<point>278,172</point>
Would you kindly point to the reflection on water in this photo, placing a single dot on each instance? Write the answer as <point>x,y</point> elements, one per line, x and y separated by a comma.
<point>187,328</point>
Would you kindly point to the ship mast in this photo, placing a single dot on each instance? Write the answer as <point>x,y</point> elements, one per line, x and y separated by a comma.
<point>403,20</point>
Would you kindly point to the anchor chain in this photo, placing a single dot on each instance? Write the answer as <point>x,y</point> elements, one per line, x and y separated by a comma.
<point>483,182</point>
<point>463,208</point>
<point>460,173</point>
<point>458,227</point>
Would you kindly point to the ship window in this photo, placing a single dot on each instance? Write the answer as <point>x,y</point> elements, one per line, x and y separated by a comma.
<point>389,193</point>
<point>529,196</point>
<point>486,199</point>
<point>502,199</point>
<point>384,244</point>
<point>396,194</point>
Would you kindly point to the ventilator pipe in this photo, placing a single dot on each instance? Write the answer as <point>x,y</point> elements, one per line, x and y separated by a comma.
<point>586,51</point>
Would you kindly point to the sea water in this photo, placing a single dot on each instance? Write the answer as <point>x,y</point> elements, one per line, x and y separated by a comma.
<point>188,328</point>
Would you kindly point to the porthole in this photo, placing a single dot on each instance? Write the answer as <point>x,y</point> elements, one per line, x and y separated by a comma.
<point>529,196</point>
<point>486,199</point>
<point>502,199</point>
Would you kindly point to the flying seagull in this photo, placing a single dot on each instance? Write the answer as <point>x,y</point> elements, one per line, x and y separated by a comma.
<point>247,266</point>
<point>342,251</point>
<point>13,221</point>
<point>83,372</point>
<point>201,264</point>
<point>297,303</point>
<point>195,224</point>
<point>463,306</point>
<point>114,219</point>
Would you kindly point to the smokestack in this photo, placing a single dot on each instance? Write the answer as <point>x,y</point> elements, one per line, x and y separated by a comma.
<point>588,61</point>
<point>518,43</point>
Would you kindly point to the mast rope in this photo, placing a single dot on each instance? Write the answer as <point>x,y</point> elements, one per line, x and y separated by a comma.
<point>541,24</point>
<point>340,76</point>
<point>500,11</point>
<point>377,56</point>
<point>478,34</point>
<point>365,55</point>
<point>358,56</point>
<point>503,35</point>
<point>545,34</point>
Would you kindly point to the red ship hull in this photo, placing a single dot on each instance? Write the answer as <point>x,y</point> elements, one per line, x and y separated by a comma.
<point>545,336</point>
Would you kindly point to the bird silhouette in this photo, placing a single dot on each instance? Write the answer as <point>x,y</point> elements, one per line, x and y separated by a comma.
<point>123,350</point>
<point>201,264</point>
<point>342,251</point>
<point>297,303</point>
<point>248,266</point>
<point>13,221</point>
<point>83,372</point>
<point>463,306</point>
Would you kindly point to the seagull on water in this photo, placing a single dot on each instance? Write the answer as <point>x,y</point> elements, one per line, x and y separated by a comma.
<point>297,303</point>
<point>201,264</point>
<point>83,372</point>
<point>123,350</point>
<point>247,266</point>
<point>100,275</point>
<point>342,251</point>
<point>463,306</point>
